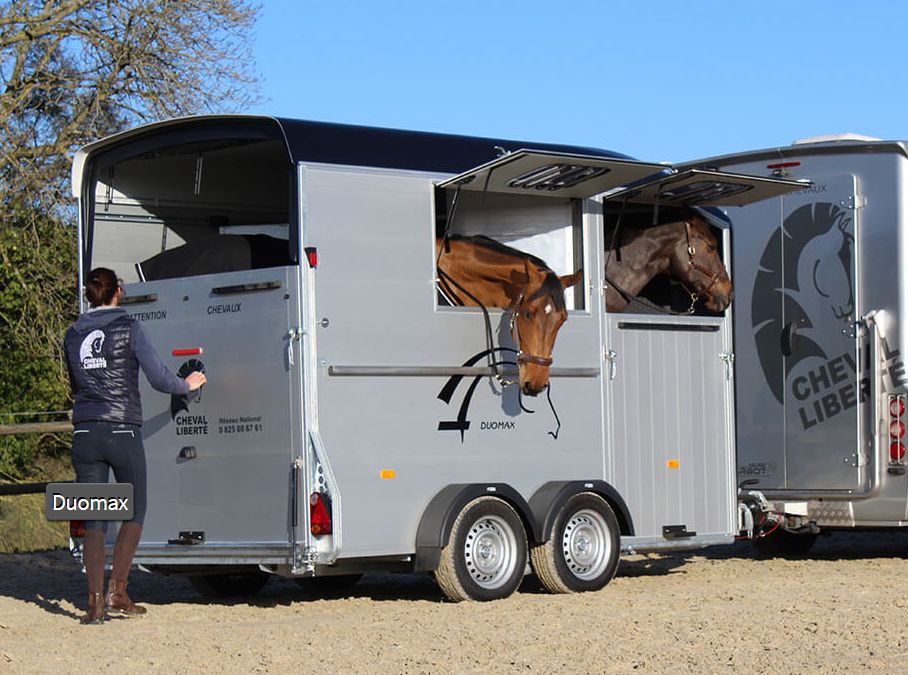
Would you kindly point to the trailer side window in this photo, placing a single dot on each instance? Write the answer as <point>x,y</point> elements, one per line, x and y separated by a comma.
<point>673,289</point>
<point>548,228</point>
<point>192,209</point>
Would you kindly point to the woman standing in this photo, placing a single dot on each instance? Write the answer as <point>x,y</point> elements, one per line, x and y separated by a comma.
<point>104,350</point>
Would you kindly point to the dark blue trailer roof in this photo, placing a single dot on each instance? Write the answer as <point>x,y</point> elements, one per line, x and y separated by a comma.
<point>399,149</point>
<point>309,141</point>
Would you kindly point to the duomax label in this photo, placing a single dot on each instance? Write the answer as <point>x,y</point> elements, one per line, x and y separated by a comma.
<point>88,501</point>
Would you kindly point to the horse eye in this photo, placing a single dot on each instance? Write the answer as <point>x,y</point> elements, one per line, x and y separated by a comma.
<point>527,314</point>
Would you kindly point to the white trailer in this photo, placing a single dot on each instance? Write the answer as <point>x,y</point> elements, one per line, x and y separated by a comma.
<point>821,276</point>
<point>351,422</point>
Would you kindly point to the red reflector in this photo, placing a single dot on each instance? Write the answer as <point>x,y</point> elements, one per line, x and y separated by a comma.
<point>312,256</point>
<point>896,451</point>
<point>76,528</point>
<point>193,351</point>
<point>896,429</point>
<point>319,514</point>
<point>896,407</point>
<point>783,165</point>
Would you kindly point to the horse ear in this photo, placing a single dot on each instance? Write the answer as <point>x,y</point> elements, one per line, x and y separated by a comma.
<point>569,280</point>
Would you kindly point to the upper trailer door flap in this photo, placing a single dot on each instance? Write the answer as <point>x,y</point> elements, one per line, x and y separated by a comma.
<point>698,187</point>
<point>553,174</point>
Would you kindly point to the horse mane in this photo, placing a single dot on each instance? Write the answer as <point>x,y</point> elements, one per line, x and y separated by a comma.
<point>552,287</point>
<point>498,247</point>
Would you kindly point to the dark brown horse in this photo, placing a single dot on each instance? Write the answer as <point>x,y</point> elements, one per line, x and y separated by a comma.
<point>474,270</point>
<point>685,250</point>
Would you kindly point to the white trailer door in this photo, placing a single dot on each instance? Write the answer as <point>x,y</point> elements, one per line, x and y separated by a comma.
<point>219,465</point>
<point>670,426</point>
<point>810,265</point>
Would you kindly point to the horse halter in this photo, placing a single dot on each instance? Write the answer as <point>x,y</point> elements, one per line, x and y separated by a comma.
<point>515,334</point>
<point>694,265</point>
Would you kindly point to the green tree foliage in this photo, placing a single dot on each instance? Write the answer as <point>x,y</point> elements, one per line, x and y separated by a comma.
<point>37,302</point>
<point>72,71</point>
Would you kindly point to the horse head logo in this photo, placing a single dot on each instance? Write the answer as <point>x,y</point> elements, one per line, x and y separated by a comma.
<point>90,348</point>
<point>807,275</point>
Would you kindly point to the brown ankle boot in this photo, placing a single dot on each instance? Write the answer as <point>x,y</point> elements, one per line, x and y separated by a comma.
<point>119,602</point>
<point>95,609</point>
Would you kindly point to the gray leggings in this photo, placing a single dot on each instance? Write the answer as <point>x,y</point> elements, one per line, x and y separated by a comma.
<point>99,447</point>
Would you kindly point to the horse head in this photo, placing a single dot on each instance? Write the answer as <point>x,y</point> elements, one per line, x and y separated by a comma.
<point>539,311</point>
<point>695,261</point>
<point>478,271</point>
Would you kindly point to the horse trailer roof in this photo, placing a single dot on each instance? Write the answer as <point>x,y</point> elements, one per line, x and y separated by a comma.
<point>323,142</point>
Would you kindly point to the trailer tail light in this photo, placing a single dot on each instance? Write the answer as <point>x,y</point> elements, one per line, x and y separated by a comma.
<point>76,528</point>
<point>319,513</point>
<point>312,256</point>
<point>896,429</point>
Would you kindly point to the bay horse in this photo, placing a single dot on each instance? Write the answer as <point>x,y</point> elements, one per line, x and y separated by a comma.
<point>685,249</point>
<point>476,271</point>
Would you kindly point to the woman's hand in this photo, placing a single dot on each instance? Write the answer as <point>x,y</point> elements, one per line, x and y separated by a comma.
<point>195,380</point>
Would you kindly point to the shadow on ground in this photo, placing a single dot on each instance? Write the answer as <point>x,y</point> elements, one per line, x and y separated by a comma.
<point>53,581</point>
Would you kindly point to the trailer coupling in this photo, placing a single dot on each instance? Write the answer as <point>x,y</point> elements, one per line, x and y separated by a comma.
<point>758,518</point>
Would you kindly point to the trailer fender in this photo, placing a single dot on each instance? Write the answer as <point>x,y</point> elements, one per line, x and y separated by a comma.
<point>438,519</point>
<point>549,499</point>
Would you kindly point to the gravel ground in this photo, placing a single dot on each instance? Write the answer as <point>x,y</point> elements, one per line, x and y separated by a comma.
<point>841,609</point>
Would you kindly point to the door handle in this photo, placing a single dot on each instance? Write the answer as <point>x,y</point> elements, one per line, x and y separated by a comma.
<point>788,337</point>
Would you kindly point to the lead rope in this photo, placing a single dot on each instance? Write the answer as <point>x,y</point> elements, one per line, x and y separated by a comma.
<point>489,334</point>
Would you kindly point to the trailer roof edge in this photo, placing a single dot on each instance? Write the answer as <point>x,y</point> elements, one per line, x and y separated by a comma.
<point>351,145</point>
<point>839,147</point>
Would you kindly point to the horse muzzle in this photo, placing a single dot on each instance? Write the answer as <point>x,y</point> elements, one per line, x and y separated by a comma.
<point>534,374</point>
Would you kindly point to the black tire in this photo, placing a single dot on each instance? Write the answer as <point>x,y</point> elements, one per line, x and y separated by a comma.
<point>584,549</point>
<point>328,587</point>
<point>486,555</point>
<point>230,584</point>
<point>785,543</point>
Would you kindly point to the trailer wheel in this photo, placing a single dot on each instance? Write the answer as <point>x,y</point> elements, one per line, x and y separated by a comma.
<point>230,584</point>
<point>584,550</point>
<point>486,554</point>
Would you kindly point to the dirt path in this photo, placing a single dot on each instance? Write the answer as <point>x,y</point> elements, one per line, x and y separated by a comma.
<point>843,609</point>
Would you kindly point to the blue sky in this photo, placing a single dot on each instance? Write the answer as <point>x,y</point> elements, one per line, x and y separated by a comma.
<point>659,80</point>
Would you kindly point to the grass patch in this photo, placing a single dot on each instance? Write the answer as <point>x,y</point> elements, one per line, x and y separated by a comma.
<point>23,526</point>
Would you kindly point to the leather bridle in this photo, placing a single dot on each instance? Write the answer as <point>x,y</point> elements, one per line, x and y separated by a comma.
<point>515,334</point>
<point>694,265</point>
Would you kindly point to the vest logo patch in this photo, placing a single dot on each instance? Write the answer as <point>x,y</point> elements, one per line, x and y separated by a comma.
<point>90,351</point>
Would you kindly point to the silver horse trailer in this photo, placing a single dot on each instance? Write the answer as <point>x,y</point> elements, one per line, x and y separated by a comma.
<point>821,277</point>
<point>351,421</point>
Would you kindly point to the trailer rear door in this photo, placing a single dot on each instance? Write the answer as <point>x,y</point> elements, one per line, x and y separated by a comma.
<point>220,465</point>
<point>819,348</point>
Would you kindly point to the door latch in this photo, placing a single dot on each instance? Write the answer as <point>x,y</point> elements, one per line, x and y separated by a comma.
<point>612,357</point>
<point>729,358</point>
<point>292,335</point>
